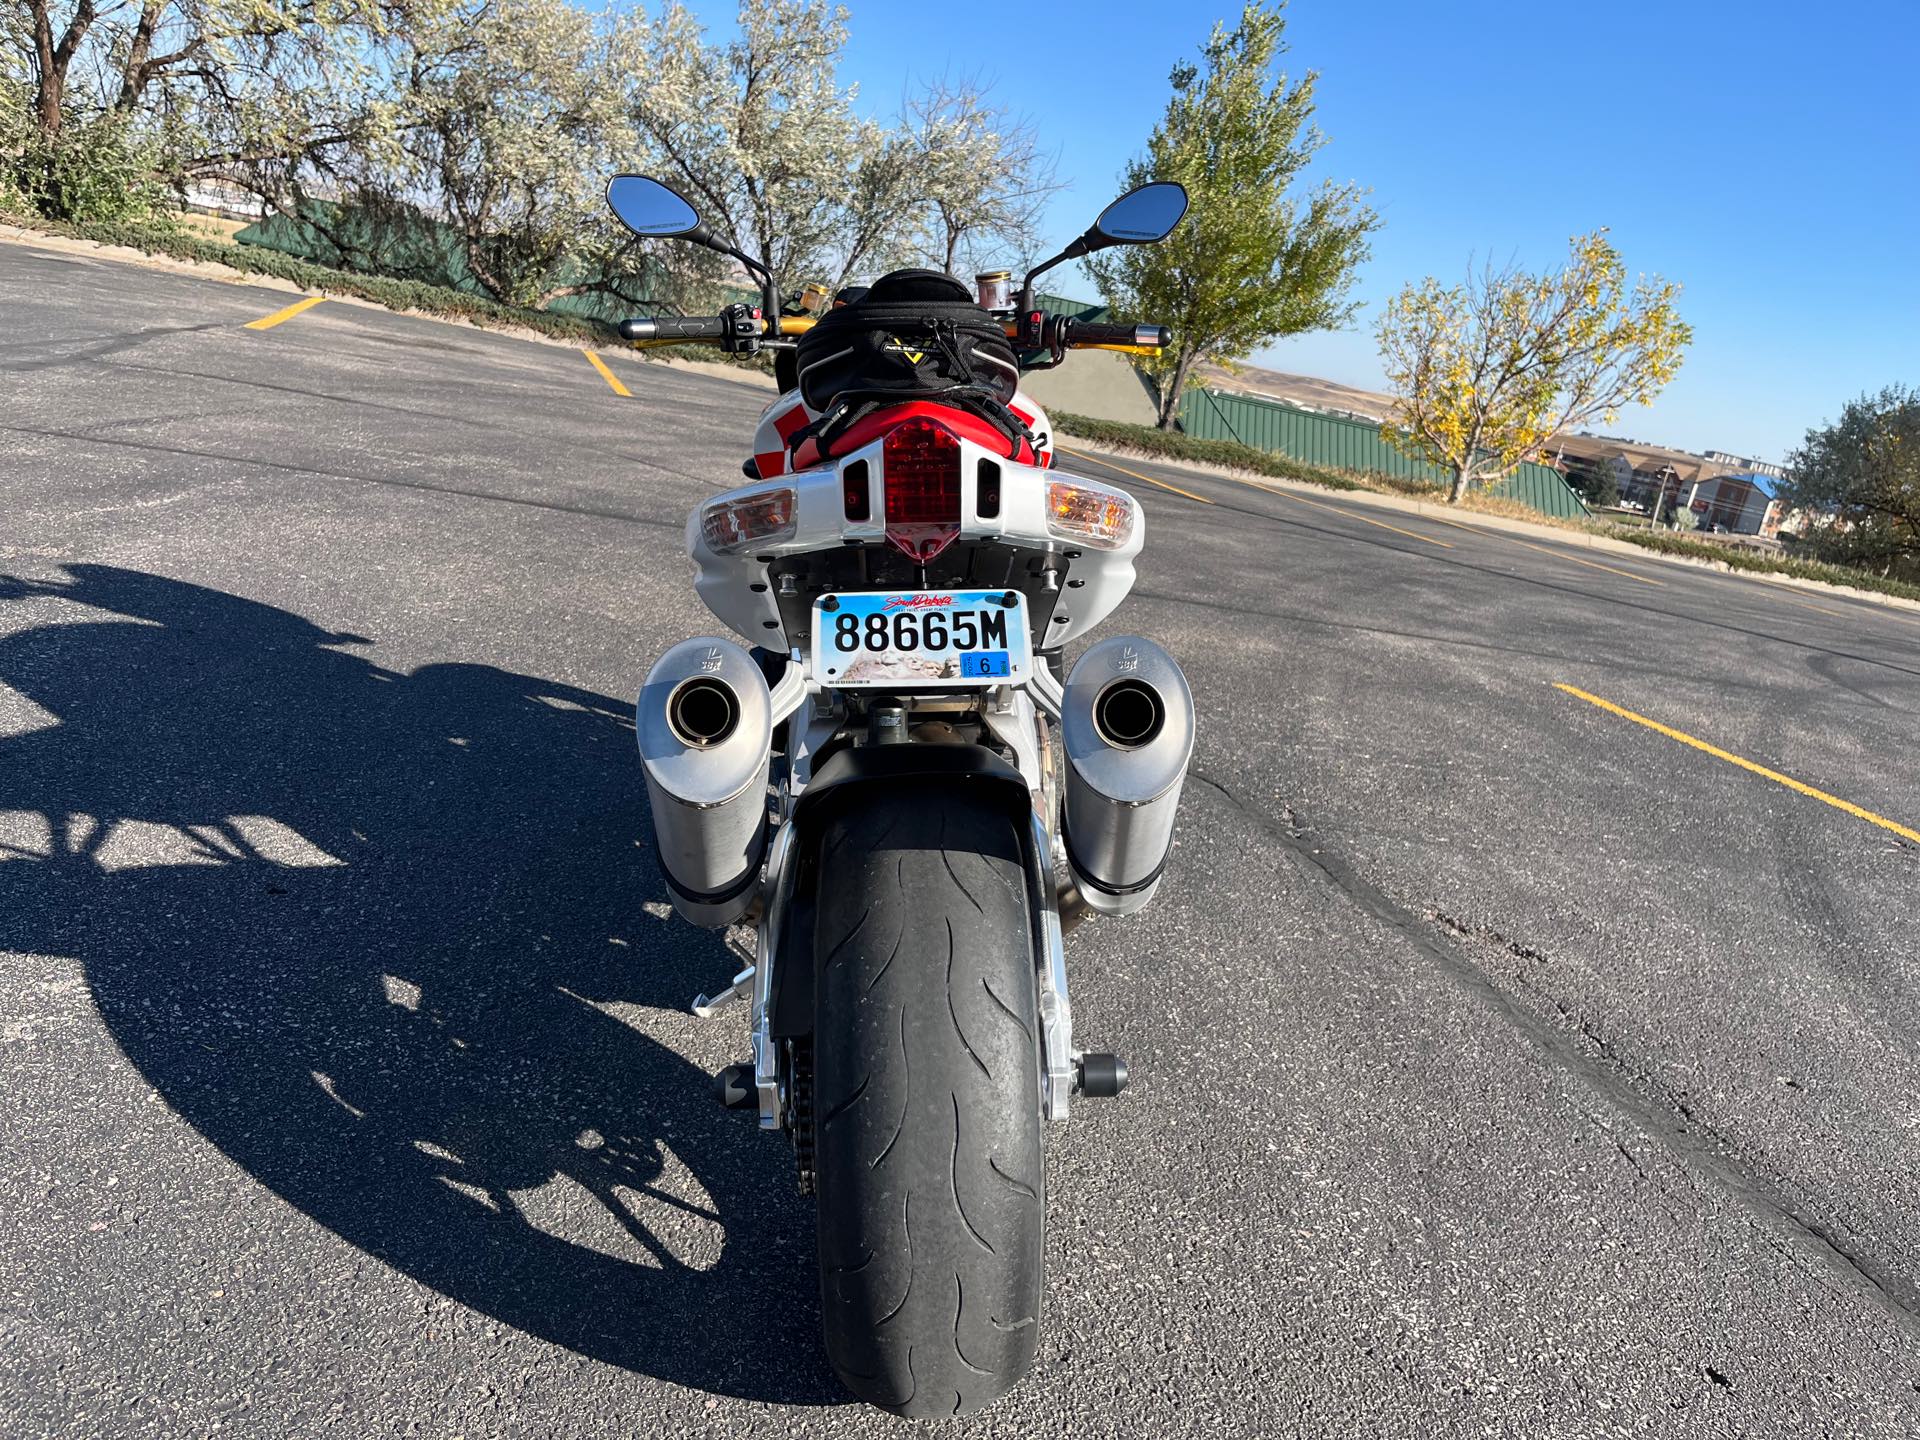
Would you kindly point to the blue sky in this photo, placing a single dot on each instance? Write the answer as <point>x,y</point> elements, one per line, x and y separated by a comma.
<point>1765,155</point>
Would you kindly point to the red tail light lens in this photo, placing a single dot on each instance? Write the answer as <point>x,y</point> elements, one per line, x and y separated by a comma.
<point>921,461</point>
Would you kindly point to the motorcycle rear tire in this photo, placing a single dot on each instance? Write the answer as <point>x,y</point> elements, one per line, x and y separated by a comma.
<point>929,1160</point>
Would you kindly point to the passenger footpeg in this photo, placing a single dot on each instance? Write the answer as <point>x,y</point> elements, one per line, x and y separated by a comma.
<point>1099,1075</point>
<point>707,1006</point>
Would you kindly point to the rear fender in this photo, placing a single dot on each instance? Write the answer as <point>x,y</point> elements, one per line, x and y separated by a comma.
<point>941,771</point>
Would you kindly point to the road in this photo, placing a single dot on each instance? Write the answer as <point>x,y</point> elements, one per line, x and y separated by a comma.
<point>1503,1064</point>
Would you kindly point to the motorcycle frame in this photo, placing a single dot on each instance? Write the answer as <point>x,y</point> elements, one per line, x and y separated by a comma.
<point>1022,717</point>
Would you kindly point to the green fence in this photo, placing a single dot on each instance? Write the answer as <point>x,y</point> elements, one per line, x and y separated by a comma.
<point>408,246</point>
<point>1342,444</point>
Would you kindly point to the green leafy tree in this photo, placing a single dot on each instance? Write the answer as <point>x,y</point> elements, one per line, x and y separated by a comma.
<point>1487,372</point>
<point>1858,479</point>
<point>1258,257</point>
<point>1597,483</point>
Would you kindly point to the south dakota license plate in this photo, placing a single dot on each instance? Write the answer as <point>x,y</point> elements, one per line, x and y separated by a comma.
<point>920,639</point>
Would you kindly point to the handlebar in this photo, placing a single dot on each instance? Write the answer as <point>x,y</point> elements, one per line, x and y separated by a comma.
<point>1084,332</point>
<point>674,327</point>
<point>1057,332</point>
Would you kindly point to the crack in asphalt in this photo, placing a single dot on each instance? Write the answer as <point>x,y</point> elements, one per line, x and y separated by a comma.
<point>287,467</point>
<point>1606,1076</point>
<point>98,347</point>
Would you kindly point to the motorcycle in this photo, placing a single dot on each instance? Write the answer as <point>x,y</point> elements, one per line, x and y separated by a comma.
<point>872,783</point>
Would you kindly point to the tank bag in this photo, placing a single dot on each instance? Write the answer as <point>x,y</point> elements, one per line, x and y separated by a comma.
<point>915,335</point>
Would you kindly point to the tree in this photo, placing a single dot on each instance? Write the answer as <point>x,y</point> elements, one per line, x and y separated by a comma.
<point>759,133</point>
<point>1596,482</point>
<point>192,87</point>
<point>512,115</point>
<point>979,178</point>
<point>1255,260</point>
<point>1488,371</point>
<point>1863,473</point>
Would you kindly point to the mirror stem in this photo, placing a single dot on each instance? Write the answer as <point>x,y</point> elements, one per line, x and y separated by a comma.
<point>1085,245</point>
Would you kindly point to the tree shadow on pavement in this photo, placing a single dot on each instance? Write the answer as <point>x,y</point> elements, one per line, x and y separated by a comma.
<point>373,935</point>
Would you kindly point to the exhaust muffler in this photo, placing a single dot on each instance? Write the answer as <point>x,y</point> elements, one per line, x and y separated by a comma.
<point>1126,724</point>
<point>705,722</point>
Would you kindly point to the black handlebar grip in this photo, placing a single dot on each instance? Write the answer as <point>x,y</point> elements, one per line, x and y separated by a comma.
<point>1086,332</point>
<point>674,327</point>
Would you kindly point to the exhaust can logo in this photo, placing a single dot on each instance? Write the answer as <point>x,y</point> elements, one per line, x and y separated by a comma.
<point>1127,661</point>
<point>712,660</point>
<point>917,602</point>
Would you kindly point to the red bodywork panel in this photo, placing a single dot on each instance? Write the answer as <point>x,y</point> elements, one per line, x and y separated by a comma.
<point>965,424</point>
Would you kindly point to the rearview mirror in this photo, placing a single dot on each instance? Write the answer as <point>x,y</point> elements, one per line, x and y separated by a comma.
<point>647,207</point>
<point>1142,216</point>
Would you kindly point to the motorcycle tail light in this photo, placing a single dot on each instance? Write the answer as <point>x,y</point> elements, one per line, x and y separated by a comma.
<point>1091,514</point>
<point>735,522</point>
<point>921,475</point>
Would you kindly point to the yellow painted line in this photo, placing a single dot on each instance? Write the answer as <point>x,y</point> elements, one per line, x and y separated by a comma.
<point>1779,593</point>
<point>1546,550</point>
<point>1590,564</point>
<point>1102,460</point>
<point>280,317</point>
<point>1732,759</point>
<point>1135,474</point>
<point>608,375</point>
<point>1349,515</point>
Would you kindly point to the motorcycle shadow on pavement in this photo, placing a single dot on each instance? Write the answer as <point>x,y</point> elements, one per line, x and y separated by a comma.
<point>384,939</point>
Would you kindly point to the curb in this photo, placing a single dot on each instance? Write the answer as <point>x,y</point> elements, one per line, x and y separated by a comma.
<point>1407,505</point>
<point>225,274</point>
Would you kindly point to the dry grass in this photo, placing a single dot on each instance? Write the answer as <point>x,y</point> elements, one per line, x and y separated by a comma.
<point>1514,510</point>
<point>216,228</point>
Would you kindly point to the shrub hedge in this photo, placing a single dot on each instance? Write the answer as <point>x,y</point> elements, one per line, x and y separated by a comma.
<point>1177,446</point>
<point>1670,543</point>
<point>165,237</point>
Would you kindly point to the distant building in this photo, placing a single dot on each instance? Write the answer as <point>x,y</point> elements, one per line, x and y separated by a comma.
<point>1721,488</point>
<point>1742,504</point>
<point>1741,464</point>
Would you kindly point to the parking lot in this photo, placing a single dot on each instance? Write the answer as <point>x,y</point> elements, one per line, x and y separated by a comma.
<point>1522,1041</point>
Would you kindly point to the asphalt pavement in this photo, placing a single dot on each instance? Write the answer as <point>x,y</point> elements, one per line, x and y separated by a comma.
<point>1522,1040</point>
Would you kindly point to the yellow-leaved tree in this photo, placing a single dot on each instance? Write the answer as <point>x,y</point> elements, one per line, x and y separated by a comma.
<point>1487,372</point>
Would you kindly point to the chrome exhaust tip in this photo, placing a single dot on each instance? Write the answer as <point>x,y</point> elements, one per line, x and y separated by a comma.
<point>705,725</point>
<point>1127,727</point>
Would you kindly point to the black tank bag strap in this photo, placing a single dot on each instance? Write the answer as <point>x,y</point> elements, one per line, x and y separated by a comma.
<point>915,335</point>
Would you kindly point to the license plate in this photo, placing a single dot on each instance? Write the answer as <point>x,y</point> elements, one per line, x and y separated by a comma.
<point>920,639</point>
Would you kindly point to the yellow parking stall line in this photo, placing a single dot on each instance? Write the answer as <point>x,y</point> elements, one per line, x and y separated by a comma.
<point>1779,593</point>
<point>1349,515</point>
<point>1774,775</point>
<point>280,317</point>
<point>608,375</point>
<point>1590,564</point>
<point>1102,460</point>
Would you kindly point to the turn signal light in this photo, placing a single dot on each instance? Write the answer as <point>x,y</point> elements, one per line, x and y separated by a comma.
<point>1090,513</point>
<point>735,522</point>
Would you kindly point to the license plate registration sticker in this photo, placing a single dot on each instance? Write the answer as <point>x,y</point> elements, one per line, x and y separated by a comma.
<point>921,639</point>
